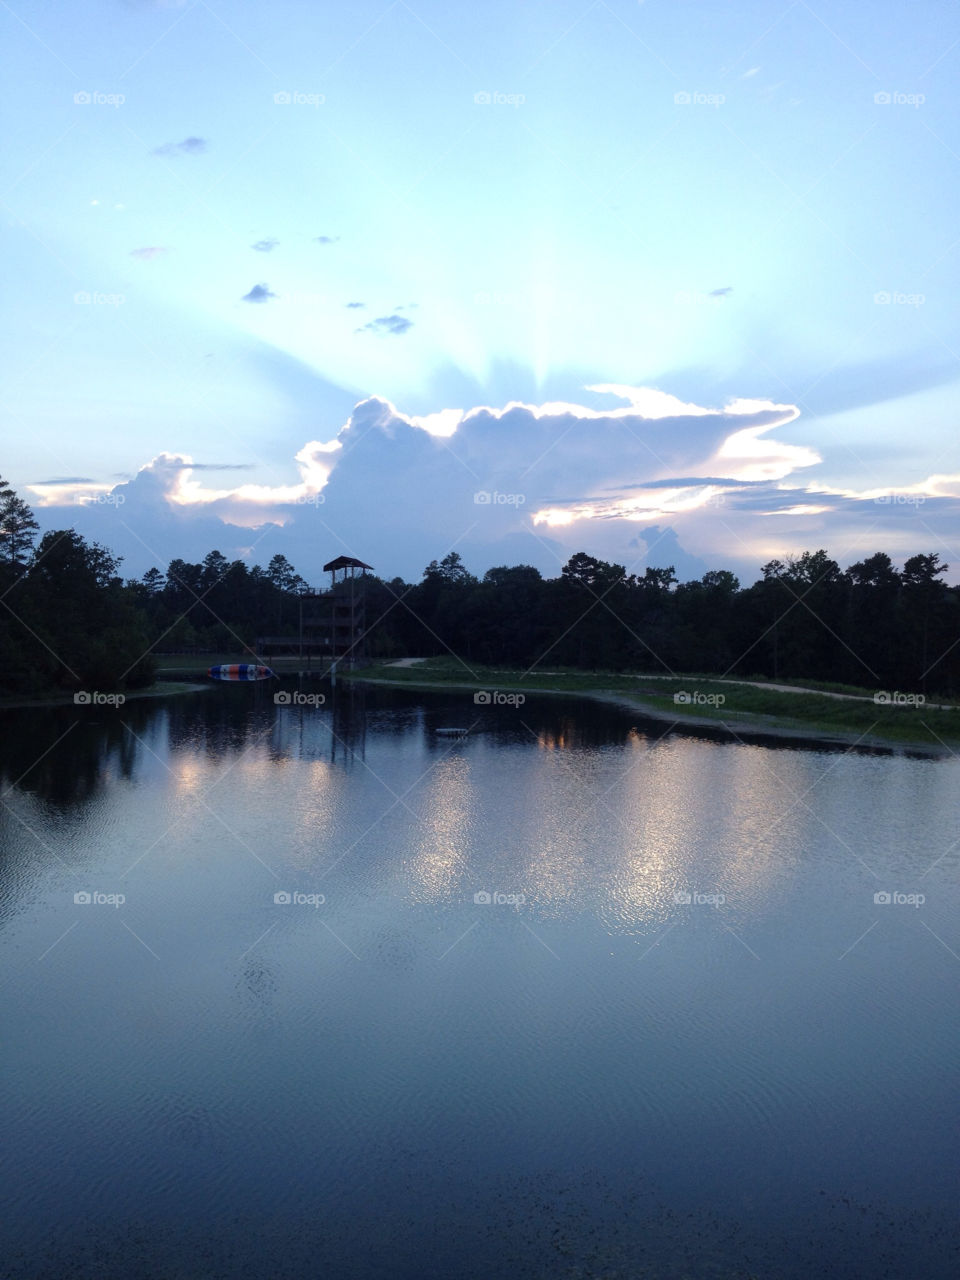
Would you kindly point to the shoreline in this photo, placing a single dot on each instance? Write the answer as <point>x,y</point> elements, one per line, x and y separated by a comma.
<point>732,727</point>
<point>160,689</point>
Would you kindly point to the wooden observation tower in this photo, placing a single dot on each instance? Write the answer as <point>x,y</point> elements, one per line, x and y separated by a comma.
<point>333,622</point>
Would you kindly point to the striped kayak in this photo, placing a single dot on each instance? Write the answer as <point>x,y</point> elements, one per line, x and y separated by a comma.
<point>240,671</point>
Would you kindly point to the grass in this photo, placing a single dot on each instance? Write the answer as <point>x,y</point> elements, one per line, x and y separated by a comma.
<point>742,705</point>
<point>160,689</point>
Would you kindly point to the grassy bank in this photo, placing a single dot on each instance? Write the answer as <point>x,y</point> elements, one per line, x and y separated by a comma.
<point>705,699</point>
<point>162,689</point>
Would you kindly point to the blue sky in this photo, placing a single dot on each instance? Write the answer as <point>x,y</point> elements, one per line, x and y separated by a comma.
<point>529,200</point>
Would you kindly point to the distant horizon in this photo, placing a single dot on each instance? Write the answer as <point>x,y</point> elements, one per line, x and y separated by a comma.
<point>723,482</point>
<point>745,574</point>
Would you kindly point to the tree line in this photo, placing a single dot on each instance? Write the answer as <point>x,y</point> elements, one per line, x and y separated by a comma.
<point>70,621</point>
<point>870,624</point>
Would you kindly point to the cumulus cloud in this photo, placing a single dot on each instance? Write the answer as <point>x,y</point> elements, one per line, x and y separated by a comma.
<point>148,252</point>
<point>188,147</point>
<point>395,324</point>
<point>354,305</point>
<point>651,479</point>
<point>325,239</point>
<point>265,246</point>
<point>247,505</point>
<point>259,293</point>
<point>720,293</point>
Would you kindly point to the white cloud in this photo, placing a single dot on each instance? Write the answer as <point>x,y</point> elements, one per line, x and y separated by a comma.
<point>244,504</point>
<point>63,493</point>
<point>521,482</point>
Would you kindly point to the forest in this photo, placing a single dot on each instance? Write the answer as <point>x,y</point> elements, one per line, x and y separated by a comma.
<point>71,621</point>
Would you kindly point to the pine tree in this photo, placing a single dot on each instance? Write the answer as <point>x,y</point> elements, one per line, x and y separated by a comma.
<point>18,528</point>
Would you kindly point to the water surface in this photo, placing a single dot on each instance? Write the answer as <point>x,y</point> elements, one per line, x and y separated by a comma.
<point>681,1037</point>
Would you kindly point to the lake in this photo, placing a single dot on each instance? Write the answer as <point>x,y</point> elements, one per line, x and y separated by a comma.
<point>311,989</point>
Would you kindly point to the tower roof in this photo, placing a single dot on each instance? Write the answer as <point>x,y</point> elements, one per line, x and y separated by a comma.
<point>345,562</point>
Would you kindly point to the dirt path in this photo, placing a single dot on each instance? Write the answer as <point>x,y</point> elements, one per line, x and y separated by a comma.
<point>751,684</point>
<point>823,693</point>
<point>796,688</point>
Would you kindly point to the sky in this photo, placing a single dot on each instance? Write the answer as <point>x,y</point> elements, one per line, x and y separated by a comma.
<point>667,283</point>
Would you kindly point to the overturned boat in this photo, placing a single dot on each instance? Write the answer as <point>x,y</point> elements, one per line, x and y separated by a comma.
<point>240,671</point>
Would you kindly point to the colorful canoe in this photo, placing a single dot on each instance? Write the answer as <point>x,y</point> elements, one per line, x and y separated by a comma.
<point>240,671</point>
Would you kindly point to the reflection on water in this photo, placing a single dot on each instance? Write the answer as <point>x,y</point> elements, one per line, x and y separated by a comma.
<point>574,994</point>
